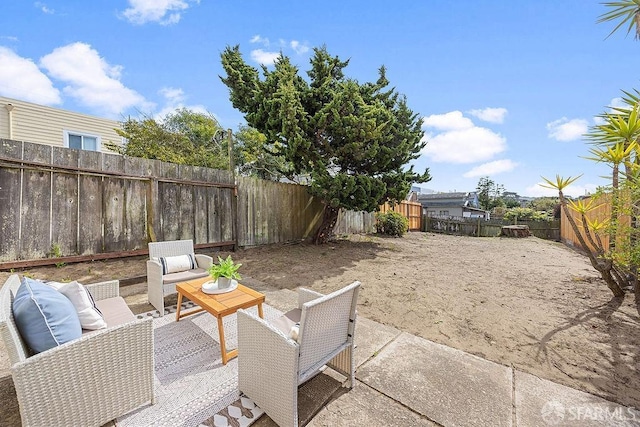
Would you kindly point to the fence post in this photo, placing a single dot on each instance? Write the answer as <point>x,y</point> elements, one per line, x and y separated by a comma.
<point>234,197</point>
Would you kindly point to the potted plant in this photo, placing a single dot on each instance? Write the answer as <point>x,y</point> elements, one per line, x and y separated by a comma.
<point>225,271</point>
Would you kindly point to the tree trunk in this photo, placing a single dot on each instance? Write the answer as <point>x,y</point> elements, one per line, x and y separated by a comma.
<point>325,231</point>
<point>604,270</point>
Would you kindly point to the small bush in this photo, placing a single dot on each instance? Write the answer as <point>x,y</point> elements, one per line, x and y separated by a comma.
<point>526,214</point>
<point>392,223</point>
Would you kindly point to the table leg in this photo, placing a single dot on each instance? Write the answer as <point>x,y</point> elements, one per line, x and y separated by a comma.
<point>178,307</point>
<point>223,347</point>
<point>260,311</point>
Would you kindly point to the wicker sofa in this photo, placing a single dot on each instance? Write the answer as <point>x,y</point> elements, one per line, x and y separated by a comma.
<point>160,285</point>
<point>275,358</point>
<point>88,381</point>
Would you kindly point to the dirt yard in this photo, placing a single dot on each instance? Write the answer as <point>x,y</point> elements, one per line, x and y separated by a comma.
<point>530,303</point>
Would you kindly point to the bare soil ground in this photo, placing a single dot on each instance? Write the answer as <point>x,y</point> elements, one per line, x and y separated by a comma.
<point>530,303</point>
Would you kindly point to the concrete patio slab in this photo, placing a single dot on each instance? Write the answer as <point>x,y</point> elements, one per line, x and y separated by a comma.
<point>370,338</point>
<point>448,386</point>
<point>540,402</point>
<point>363,406</point>
<point>312,396</point>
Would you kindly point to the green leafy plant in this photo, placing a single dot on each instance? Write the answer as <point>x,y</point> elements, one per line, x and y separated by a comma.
<point>225,268</point>
<point>392,223</point>
<point>56,252</point>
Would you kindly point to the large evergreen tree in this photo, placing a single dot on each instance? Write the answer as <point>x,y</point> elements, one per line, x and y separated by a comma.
<point>353,141</point>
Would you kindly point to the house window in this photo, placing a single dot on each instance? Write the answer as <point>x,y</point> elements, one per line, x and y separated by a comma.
<point>81,141</point>
<point>444,213</point>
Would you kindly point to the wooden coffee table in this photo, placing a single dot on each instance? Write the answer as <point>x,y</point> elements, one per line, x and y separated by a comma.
<point>219,305</point>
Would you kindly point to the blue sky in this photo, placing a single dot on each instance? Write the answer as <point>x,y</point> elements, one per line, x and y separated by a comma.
<point>505,89</point>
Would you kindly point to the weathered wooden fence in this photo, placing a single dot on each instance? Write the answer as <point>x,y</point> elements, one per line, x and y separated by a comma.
<point>74,203</point>
<point>478,227</point>
<point>412,210</point>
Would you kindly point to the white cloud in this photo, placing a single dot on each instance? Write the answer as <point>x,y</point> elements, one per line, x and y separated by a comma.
<point>567,130</point>
<point>491,115</point>
<point>298,47</point>
<point>21,78</point>
<point>174,99</point>
<point>90,79</point>
<point>491,168</point>
<point>453,120</point>
<point>43,7</point>
<point>265,58</point>
<point>172,95</point>
<point>258,39</point>
<point>164,12</point>
<point>617,103</point>
<point>459,140</point>
<point>573,190</point>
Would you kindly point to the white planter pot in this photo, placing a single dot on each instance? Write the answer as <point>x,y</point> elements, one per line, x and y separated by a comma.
<point>218,287</point>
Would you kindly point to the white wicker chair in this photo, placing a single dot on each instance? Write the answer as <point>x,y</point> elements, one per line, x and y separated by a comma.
<point>271,365</point>
<point>159,285</point>
<point>85,382</point>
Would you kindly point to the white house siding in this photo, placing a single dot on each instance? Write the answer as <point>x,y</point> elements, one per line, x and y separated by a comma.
<point>47,125</point>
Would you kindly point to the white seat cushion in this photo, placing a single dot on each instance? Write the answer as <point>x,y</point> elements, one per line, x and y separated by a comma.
<point>289,323</point>
<point>183,276</point>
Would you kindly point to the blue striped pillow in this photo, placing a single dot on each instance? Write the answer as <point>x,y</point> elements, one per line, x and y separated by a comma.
<point>174,264</point>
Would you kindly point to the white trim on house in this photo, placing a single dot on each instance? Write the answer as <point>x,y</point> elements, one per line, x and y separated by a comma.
<point>83,135</point>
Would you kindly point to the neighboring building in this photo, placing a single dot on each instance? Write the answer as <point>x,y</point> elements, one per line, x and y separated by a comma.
<point>521,200</point>
<point>24,121</point>
<point>460,205</point>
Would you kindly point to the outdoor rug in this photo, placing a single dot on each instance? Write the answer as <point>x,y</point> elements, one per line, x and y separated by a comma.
<point>193,387</point>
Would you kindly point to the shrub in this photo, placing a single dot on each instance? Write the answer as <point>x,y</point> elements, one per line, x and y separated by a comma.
<point>526,214</point>
<point>392,223</point>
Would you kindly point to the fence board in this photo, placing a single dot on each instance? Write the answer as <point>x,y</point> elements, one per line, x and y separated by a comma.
<point>65,212</point>
<point>201,222</point>
<point>36,220</point>
<point>90,216</point>
<point>411,210</point>
<point>10,213</point>
<point>114,205</point>
<point>213,204</point>
<point>185,209</point>
<point>135,215</point>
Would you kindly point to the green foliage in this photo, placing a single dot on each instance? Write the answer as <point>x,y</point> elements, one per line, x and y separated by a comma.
<point>392,223</point>
<point>353,141</point>
<point>526,214</point>
<point>256,157</point>
<point>510,203</point>
<point>489,193</point>
<point>544,203</point>
<point>225,268</point>
<point>56,252</point>
<point>627,12</point>
<point>183,137</point>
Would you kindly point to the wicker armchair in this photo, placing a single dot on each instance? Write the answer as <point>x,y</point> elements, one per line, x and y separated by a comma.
<point>271,365</point>
<point>86,382</point>
<point>160,285</point>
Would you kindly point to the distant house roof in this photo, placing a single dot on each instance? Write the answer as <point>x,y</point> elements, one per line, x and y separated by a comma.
<point>444,196</point>
<point>455,199</point>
